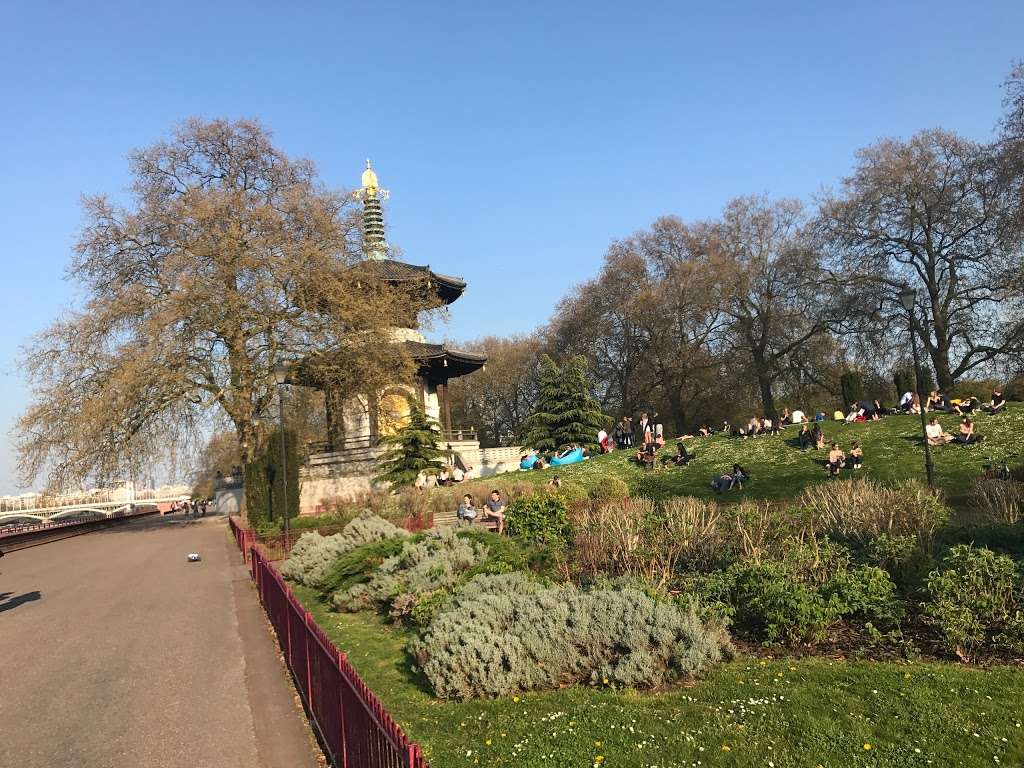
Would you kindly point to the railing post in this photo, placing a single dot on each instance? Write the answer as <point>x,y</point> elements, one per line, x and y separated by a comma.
<point>341,710</point>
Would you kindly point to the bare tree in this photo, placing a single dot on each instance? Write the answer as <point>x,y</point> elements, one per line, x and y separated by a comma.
<point>231,260</point>
<point>499,399</point>
<point>933,213</point>
<point>768,284</point>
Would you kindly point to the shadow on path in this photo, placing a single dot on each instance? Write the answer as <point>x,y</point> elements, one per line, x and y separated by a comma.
<point>8,603</point>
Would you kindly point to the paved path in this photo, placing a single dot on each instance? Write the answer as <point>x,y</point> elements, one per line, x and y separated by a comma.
<point>117,653</point>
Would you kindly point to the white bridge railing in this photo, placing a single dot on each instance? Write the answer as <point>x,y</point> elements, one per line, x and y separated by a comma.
<point>101,501</point>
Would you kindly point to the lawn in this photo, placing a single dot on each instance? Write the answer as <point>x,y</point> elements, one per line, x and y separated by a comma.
<point>750,712</point>
<point>754,711</point>
<point>892,451</point>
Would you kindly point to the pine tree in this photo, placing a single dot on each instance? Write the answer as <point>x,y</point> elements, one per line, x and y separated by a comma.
<point>566,413</point>
<point>580,416</point>
<point>542,425</point>
<point>411,450</point>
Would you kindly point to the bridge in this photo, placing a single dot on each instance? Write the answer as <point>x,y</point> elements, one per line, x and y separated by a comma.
<point>97,503</point>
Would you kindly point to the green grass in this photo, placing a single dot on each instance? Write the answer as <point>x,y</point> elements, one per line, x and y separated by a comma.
<point>892,451</point>
<point>781,712</point>
<point>810,712</point>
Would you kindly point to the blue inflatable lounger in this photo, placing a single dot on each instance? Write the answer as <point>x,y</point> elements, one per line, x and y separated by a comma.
<point>573,456</point>
<point>529,461</point>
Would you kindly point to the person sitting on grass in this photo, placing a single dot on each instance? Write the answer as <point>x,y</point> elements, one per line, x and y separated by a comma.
<point>856,455</point>
<point>739,475</point>
<point>935,433</point>
<point>915,404</point>
<point>645,456</point>
<point>785,418</point>
<point>836,460</point>
<point>905,400</point>
<point>496,509</point>
<point>996,404</point>
<point>682,457</point>
<point>730,480</point>
<point>967,434</point>
<point>880,410</point>
<point>467,511</point>
<point>705,431</point>
<point>799,417</point>
<point>856,413</point>
<point>555,483</point>
<point>817,437</point>
<point>753,426</point>
<point>768,426</point>
<point>444,477</point>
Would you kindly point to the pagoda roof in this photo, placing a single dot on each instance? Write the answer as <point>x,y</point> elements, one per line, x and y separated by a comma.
<point>442,362</point>
<point>448,288</point>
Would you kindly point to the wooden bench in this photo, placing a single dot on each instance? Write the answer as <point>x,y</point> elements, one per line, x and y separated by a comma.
<point>450,518</point>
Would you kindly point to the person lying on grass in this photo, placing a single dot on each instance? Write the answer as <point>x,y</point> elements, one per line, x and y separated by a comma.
<point>936,435</point>
<point>836,460</point>
<point>967,434</point>
<point>730,480</point>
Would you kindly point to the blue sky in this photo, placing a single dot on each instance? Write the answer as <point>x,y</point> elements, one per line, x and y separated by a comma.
<point>518,139</point>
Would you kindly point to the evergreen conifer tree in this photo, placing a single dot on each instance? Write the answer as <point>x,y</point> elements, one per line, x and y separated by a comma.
<point>411,450</point>
<point>542,425</point>
<point>566,413</point>
<point>580,416</point>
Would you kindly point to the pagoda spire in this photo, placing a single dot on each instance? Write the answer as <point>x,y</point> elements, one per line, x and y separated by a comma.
<point>374,245</point>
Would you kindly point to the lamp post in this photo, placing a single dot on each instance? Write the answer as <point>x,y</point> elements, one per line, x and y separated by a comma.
<point>280,377</point>
<point>908,297</point>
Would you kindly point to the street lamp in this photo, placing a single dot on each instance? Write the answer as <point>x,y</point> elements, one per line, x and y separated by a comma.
<point>908,298</point>
<point>280,378</point>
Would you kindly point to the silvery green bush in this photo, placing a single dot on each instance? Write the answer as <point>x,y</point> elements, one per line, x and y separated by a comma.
<point>313,555</point>
<point>437,561</point>
<point>504,634</point>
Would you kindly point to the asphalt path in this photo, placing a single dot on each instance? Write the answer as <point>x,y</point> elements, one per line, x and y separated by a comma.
<point>115,652</point>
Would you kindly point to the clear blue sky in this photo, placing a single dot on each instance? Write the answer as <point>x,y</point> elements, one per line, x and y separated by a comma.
<point>518,138</point>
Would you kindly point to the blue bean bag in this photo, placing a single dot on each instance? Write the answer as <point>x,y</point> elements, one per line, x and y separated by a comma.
<point>528,462</point>
<point>574,456</point>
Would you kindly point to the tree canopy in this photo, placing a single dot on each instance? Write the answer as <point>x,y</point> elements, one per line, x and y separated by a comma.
<point>411,450</point>
<point>230,260</point>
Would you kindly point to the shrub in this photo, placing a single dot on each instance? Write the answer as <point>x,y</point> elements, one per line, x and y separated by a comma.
<point>436,561</point>
<point>697,526</point>
<point>505,634</point>
<point>798,597</point>
<point>771,604</point>
<point>999,501</point>
<point>313,555</point>
<point>902,558</point>
<point>851,383</point>
<point>539,518</point>
<point>358,565</point>
<point>754,526</point>
<point>269,489</point>
<point>974,596</point>
<point>861,510</point>
<point>635,539</point>
<point>608,488</point>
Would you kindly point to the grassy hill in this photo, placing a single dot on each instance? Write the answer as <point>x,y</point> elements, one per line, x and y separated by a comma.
<point>892,451</point>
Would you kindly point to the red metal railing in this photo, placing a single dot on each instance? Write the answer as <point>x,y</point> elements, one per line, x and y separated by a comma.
<point>354,727</point>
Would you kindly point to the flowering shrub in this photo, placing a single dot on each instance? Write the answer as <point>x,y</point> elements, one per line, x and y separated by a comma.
<point>436,561</point>
<point>505,634</point>
<point>975,599</point>
<point>313,555</point>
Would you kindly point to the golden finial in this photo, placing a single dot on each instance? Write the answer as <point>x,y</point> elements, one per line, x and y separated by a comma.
<point>369,177</point>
